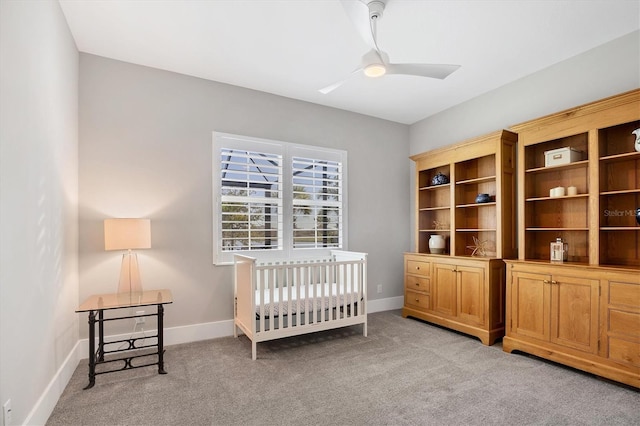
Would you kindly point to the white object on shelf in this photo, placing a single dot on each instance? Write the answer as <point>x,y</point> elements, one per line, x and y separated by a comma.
<point>559,251</point>
<point>559,156</point>
<point>436,244</point>
<point>557,192</point>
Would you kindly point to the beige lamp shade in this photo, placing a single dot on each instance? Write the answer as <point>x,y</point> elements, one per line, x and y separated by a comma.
<point>127,234</point>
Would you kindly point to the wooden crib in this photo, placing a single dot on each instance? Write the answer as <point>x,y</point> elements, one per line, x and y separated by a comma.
<point>287,298</point>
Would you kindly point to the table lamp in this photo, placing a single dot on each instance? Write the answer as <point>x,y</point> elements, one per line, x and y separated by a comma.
<point>128,234</point>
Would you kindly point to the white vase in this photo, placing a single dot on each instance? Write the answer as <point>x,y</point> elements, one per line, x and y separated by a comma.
<point>637,144</point>
<point>436,244</point>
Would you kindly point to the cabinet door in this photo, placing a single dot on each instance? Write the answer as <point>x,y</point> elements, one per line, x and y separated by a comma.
<point>530,304</point>
<point>574,312</point>
<point>444,289</point>
<point>471,296</point>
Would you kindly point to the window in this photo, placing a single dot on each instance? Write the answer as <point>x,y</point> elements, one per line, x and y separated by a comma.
<point>276,199</point>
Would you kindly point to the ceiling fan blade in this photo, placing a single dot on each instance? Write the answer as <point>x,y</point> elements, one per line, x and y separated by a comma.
<point>358,13</point>
<point>440,71</point>
<point>337,84</point>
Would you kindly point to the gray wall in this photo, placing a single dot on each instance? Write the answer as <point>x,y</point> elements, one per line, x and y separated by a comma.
<point>38,209</point>
<point>598,73</point>
<point>145,151</point>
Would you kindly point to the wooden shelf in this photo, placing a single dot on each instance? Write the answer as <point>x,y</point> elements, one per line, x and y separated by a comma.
<point>566,197</point>
<point>428,209</point>
<point>618,157</point>
<point>546,229</point>
<point>476,180</point>
<point>574,165</point>
<point>476,229</point>
<point>492,203</point>
<point>433,187</point>
<point>621,192</point>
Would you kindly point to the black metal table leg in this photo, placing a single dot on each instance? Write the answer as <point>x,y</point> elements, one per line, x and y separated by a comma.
<point>92,349</point>
<point>160,340</point>
<point>100,335</point>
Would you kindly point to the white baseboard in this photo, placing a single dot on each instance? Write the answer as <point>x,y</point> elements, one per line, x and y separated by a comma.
<point>49,398</point>
<point>387,304</point>
<point>172,336</point>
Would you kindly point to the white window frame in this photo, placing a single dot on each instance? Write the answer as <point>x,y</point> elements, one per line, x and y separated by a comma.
<point>288,151</point>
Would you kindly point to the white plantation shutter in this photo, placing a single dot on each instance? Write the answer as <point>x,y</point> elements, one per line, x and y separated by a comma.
<point>276,200</point>
<point>251,200</point>
<point>317,203</point>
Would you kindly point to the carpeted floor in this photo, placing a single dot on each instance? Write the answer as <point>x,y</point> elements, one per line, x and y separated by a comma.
<point>405,372</point>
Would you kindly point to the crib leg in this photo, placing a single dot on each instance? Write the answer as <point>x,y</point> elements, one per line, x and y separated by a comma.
<point>364,329</point>
<point>254,350</point>
<point>235,330</point>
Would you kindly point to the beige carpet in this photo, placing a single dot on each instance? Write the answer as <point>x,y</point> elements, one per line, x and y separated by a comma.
<point>405,373</point>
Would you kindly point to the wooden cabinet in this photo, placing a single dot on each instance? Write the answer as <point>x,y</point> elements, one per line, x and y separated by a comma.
<point>459,292</point>
<point>551,306</point>
<point>464,288</point>
<point>584,312</point>
<point>587,317</point>
<point>462,293</point>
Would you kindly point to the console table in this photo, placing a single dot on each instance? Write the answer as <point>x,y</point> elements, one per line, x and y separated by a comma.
<point>97,304</point>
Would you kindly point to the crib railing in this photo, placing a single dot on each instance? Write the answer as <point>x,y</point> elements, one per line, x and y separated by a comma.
<point>296,293</point>
<point>288,298</point>
<point>291,294</point>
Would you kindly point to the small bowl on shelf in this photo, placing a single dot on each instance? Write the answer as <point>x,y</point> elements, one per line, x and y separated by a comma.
<point>483,198</point>
<point>440,179</point>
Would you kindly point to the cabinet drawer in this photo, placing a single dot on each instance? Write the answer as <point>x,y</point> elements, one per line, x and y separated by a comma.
<point>621,293</point>
<point>417,267</point>
<point>414,282</point>
<point>624,352</point>
<point>416,300</point>
<point>624,323</point>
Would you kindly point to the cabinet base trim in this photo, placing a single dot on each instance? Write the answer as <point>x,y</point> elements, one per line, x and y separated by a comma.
<point>510,344</point>
<point>487,337</point>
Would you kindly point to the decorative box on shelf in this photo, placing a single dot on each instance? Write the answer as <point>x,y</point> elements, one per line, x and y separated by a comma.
<point>560,156</point>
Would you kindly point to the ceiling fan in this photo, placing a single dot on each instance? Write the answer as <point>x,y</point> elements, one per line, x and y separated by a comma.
<point>375,63</point>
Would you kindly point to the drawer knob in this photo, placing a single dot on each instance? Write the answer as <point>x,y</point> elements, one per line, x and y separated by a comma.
<point>545,281</point>
<point>554,282</point>
<point>417,268</point>
<point>417,284</point>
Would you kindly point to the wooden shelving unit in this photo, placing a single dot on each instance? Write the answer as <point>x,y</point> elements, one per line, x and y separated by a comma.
<point>481,165</point>
<point>584,312</point>
<point>457,289</point>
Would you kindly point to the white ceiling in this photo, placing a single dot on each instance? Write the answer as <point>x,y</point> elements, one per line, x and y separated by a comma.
<point>293,48</point>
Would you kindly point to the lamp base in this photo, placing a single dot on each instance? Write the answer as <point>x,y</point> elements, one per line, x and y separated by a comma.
<point>129,274</point>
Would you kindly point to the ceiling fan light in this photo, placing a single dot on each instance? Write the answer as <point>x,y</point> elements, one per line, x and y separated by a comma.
<point>375,70</point>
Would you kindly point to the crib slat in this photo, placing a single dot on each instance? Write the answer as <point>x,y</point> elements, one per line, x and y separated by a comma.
<point>272,292</point>
<point>261,285</point>
<point>352,288</point>
<point>279,284</point>
<point>290,274</point>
